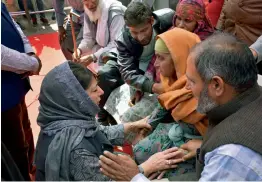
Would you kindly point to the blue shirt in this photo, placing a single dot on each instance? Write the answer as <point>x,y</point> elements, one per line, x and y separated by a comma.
<point>228,163</point>
<point>232,163</point>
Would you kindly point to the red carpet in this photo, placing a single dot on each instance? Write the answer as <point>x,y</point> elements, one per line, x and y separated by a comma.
<point>48,49</point>
<point>44,40</point>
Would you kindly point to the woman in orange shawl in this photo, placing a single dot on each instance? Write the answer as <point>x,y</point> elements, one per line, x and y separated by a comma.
<point>172,49</point>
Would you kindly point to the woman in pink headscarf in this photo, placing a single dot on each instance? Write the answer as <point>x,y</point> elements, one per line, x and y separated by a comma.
<point>191,16</point>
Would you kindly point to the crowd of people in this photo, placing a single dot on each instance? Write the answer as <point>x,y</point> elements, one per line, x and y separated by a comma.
<point>179,84</point>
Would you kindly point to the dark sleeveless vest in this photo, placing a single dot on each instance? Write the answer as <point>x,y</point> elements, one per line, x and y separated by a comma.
<point>238,122</point>
<point>14,88</point>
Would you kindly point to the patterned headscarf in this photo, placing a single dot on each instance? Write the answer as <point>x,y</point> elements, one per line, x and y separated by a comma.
<point>195,10</point>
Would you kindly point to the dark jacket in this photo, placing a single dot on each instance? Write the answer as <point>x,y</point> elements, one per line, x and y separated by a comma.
<point>14,88</point>
<point>129,51</point>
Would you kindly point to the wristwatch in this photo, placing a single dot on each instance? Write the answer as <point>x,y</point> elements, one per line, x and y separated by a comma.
<point>141,170</point>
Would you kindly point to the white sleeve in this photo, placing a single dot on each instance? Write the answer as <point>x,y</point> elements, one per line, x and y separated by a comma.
<point>140,177</point>
<point>87,42</point>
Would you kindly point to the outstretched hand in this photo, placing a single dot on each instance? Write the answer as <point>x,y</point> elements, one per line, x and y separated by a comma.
<point>191,147</point>
<point>164,160</point>
<point>137,130</point>
<point>118,167</point>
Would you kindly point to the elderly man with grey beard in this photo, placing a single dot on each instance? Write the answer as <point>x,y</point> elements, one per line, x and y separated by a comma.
<point>222,75</point>
<point>103,21</point>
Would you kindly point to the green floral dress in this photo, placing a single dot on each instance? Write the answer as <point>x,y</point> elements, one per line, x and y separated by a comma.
<point>162,138</point>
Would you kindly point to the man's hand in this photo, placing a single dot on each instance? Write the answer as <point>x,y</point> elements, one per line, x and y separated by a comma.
<point>191,146</point>
<point>158,88</point>
<point>27,74</point>
<point>118,167</point>
<point>85,60</point>
<point>162,160</point>
<point>77,55</point>
<point>33,72</point>
<point>62,33</point>
<point>40,64</point>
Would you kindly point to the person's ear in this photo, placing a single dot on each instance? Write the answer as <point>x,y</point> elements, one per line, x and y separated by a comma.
<point>217,85</point>
<point>152,20</point>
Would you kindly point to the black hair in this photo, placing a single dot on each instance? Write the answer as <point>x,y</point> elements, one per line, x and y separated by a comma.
<point>137,13</point>
<point>82,74</point>
<point>225,56</point>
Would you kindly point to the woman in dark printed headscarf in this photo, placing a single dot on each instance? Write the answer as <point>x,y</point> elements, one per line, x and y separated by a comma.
<point>191,16</point>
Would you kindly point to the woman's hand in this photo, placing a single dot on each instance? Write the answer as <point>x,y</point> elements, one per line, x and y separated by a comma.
<point>162,160</point>
<point>137,130</point>
<point>158,88</point>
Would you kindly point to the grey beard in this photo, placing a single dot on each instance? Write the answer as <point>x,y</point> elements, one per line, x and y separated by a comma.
<point>94,16</point>
<point>205,103</point>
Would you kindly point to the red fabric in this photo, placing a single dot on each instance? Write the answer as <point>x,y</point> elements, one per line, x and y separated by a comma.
<point>213,9</point>
<point>126,149</point>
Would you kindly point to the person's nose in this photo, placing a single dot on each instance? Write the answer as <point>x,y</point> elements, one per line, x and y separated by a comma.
<point>181,24</point>
<point>101,92</point>
<point>141,37</point>
<point>156,64</point>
